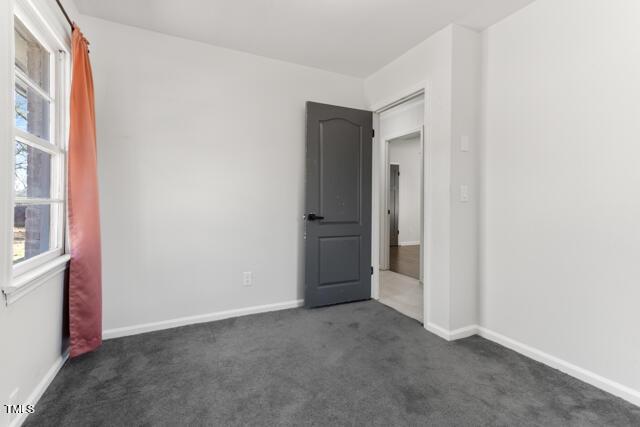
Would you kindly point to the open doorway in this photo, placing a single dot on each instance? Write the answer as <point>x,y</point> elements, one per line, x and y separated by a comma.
<point>401,243</point>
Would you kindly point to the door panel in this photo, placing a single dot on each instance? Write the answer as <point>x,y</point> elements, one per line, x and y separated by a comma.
<point>338,193</point>
<point>340,171</point>
<point>339,260</point>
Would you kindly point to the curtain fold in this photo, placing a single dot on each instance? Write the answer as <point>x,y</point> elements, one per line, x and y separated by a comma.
<point>85,276</point>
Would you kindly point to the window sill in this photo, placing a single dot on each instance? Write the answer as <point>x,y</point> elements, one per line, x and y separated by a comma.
<point>33,279</point>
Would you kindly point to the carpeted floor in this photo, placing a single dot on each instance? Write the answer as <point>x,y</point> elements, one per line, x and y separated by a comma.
<point>352,364</point>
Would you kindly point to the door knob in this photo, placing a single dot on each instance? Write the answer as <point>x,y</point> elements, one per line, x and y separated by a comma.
<point>313,217</point>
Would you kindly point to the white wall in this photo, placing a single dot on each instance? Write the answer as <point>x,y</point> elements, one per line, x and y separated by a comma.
<point>201,162</point>
<point>450,111</point>
<point>465,125</point>
<point>407,154</point>
<point>560,223</point>
<point>32,329</point>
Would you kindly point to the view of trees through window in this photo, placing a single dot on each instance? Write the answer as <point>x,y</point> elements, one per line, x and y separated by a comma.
<point>32,228</point>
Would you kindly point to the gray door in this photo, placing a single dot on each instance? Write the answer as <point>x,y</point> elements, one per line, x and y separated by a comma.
<point>394,203</point>
<point>338,205</point>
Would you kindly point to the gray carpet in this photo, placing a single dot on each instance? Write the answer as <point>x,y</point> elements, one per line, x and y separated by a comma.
<point>352,364</point>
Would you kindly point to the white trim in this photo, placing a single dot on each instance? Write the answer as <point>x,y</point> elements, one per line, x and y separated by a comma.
<point>32,201</point>
<point>589,377</point>
<point>33,279</point>
<point>33,85</point>
<point>7,150</point>
<point>39,260</point>
<point>437,330</point>
<point>42,386</point>
<point>32,18</point>
<point>411,243</point>
<point>37,142</point>
<point>380,105</point>
<point>28,11</point>
<point>427,203</point>
<point>405,133</point>
<point>404,106</point>
<point>202,318</point>
<point>610,386</point>
<point>448,335</point>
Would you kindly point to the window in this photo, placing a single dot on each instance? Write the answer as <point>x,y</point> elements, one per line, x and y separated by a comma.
<point>39,148</point>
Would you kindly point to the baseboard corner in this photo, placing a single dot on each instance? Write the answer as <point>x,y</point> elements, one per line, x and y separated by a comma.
<point>42,386</point>
<point>456,334</point>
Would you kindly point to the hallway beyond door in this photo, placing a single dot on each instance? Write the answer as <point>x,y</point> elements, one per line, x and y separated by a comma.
<point>405,260</point>
<point>402,293</point>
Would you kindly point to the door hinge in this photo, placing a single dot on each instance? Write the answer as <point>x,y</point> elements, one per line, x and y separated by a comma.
<point>373,133</point>
<point>372,270</point>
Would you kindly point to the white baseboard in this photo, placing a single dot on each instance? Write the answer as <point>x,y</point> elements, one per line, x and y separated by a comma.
<point>417,242</point>
<point>615,388</point>
<point>201,318</point>
<point>448,335</point>
<point>42,386</point>
<point>610,386</point>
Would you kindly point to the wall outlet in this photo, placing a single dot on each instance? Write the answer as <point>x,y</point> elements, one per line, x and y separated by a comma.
<point>247,278</point>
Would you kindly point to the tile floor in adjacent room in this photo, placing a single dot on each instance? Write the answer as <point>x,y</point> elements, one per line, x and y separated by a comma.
<point>402,293</point>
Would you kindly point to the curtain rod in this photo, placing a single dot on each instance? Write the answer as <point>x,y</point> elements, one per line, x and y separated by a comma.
<point>66,15</point>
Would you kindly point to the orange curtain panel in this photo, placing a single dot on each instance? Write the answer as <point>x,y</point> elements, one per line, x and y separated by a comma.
<point>85,278</point>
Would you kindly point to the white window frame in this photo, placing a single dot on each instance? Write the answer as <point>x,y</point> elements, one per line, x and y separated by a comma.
<point>33,271</point>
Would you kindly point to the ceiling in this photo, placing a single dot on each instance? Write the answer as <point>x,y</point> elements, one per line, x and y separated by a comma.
<point>354,37</point>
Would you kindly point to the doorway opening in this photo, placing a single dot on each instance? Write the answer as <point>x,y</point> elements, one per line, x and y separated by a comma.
<point>402,199</point>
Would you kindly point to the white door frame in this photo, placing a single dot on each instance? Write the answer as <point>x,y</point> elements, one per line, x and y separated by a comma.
<point>379,161</point>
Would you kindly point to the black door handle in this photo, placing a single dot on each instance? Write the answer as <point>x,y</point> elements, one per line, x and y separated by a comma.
<point>313,217</point>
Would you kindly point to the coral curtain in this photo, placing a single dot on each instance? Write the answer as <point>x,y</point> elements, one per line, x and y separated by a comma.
<point>85,276</point>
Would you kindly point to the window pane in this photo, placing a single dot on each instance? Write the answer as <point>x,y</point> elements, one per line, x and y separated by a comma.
<point>31,57</point>
<point>32,111</point>
<point>31,231</point>
<point>32,173</point>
